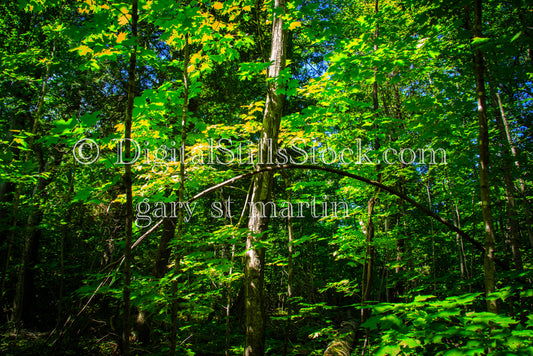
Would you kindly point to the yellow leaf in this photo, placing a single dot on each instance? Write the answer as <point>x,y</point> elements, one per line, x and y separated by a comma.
<point>104,52</point>
<point>121,37</point>
<point>119,127</point>
<point>124,19</point>
<point>195,57</point>
<point>170,41</point>
<point>294,25</point>
<point>191,68</point>
<point>84,50</point>
<point>204,66</point>
<point>247,8</point>
<point>148,5</point>
<point>217,5</point>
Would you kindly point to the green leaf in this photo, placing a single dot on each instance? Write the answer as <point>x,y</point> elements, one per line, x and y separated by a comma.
<point>516,36</point>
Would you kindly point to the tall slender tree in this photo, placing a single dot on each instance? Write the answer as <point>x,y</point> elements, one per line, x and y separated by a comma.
<point>484,163</point>
<point>262,189</point>
<point>128,179</point>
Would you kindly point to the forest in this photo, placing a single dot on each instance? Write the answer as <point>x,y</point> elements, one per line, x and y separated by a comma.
<point>266,177</point>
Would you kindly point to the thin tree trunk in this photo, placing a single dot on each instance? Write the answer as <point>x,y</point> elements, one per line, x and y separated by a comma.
<point>228,302</point>
<point>460,244</point>
<point>400,248</point>
<point>509,187</point>
<point>227,284</point>
<point>369,258</point>
<point>24,301</point>
<point>261,192</point>
<point>432,231</point>
<point>128,183</point>
<point>490,236</point>
<point>459,238</point>
<point>505,132</point>
<point>24,295</point>
<point>290,271</point>
<point>370,251</point>
<point>25,274</point>
<point>64,235</point>
<point>456,216</point>
<point>181,192</point>
<point>163,251</point>
<point>144,318</point>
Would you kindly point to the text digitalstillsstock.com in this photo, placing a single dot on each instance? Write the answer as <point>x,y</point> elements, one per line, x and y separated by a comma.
<point>224,152</point>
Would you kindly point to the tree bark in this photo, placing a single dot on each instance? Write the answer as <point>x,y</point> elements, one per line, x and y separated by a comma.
<point>261,192</point>
<point>343,345</point>
<point>509,189</point>
<point>163,251</point>
<point>181,194</point>
<point>505,132</point>
<point>290,271</point>
<point>128,183</point>
<point>370,250</point>
<point>23,306</point>
<point>65,228</point>
<point>490,236</point>
<point>23,292</point>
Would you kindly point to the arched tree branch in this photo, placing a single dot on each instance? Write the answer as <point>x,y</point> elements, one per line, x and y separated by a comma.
<point>388,189</point>
<point>336,171</point>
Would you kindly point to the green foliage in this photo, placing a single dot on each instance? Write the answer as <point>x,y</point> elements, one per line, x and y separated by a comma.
<point>450,326</point>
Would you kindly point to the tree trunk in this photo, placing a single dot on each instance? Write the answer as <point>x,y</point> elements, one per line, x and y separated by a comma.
<point>163,251</point>
<point>181,192</point>
<point>369,258</point>
<point>65,228</point>
<point>505,133</point>
<point>509,189</point>
<point>460,245</point>
<point>490,236</point>
<point>290,271</point>
<point>128,184</point>
<point>261,191</point>
<point>23,306</point>
<point>19,293</point>
<point>432,232</point>
<point>24,300</point>
<point>370,251</point>
<point>343,345</point>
